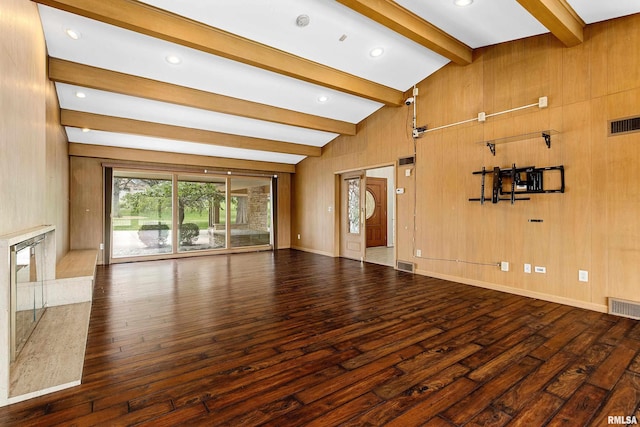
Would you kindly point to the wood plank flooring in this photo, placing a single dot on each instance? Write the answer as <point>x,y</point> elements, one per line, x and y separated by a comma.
<point>292,339</point>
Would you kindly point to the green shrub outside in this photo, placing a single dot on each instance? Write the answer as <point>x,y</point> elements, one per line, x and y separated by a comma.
<point>189,233</point>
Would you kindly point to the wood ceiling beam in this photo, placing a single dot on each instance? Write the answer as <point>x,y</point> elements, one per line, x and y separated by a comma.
<point>559,18</point>
<point>121,125</point>
<point>112,81</point>
<point>402,21</point>
<point>161,24</point>
<point>132,154</point>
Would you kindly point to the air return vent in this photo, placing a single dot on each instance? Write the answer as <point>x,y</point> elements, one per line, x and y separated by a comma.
<point>622,126</point>
<point>407,267</point>
<point>624,308</point>
<point>403,161</point>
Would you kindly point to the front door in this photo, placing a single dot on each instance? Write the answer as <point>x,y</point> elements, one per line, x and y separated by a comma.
<point>352,242</point>
<point>376,211</point>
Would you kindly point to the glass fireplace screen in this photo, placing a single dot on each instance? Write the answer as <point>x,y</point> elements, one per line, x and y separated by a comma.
<point>27,290</point>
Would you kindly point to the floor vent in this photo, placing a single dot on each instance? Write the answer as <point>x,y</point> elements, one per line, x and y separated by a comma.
<point>617,127</point>
<point>624,308</point>
<point>405,266</point>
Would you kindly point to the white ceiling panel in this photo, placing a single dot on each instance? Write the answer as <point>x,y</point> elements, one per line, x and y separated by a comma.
<point>130,107</point>
<point>483,23</point>
<point>112,48</point>
<point>595,11</point>
<point>273,23</point>
<point>122,140</point>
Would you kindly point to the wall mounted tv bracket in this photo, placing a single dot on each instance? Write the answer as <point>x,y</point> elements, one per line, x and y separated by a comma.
<point>525,180</point>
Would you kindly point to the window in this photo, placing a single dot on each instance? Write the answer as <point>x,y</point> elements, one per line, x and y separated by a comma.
<point>353,205</point>
<point>141,214</point>
<point>250,212</point>
<point>201,213</point>
<point>207,213</point>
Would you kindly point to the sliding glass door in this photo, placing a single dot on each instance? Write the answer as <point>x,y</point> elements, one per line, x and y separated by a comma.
<point>250,212</point>
<point>160,214</point>
<point>141,214</point>
<point>202,213</point>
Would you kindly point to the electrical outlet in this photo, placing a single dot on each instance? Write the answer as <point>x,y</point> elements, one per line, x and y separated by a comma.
<point>539,269</point>
<point>527,268</point>
<point>583,275</point>
<point>504,266</point>
<point>102,246</point>
<point>418,252</point>
<point>298,237</point>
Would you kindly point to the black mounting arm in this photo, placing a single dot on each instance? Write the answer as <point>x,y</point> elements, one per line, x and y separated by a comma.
<point>512,177</point>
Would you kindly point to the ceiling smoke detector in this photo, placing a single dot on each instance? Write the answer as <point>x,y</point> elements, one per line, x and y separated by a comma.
<point>303,20</point>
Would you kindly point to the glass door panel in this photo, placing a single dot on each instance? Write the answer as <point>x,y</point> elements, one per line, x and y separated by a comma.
<point>250,212</point>
<point>141,214</point>
<point>201,213</point>
<point>353,205</point>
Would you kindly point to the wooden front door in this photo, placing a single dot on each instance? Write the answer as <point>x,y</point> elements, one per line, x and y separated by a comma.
<point>376,211</point>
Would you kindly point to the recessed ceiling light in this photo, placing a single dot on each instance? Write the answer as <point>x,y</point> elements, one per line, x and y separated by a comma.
<point>81,95</point>
<point>174,60</point>
<point>376,51</point>
<point>323,98</point>
<point>72,34</point>
<point>462,3</point>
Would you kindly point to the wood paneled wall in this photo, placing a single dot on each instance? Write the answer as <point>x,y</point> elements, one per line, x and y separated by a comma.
<point>284,211</point>
<point>380,140</point>
<point>87,204</point>
<point>593,226</point>
<point>33,164</point>
<point>57,173</point>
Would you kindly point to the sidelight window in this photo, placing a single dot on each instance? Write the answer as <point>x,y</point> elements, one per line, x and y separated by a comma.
<point>353,205</point>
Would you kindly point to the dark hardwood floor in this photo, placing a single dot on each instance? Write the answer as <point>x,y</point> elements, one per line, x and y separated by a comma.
<point>292,339</point>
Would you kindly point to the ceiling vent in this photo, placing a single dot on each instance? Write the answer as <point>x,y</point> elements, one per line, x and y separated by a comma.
<point>622,126</point>
<point>407,267</point>
<point>624,308</point>
<point>403,161</point>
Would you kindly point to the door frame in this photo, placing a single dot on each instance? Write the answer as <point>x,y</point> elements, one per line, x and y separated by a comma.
<point>339,211</point>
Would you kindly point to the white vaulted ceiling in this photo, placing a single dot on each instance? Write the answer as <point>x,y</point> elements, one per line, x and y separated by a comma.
<point>251,84</point>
